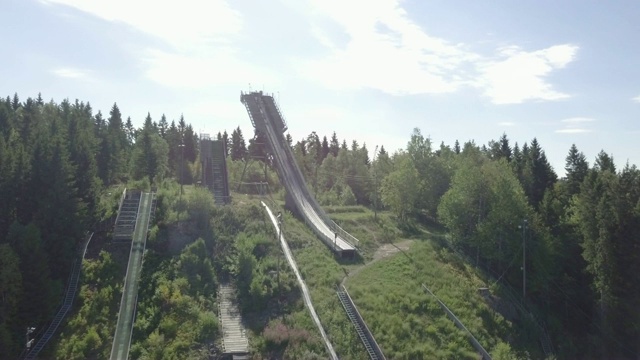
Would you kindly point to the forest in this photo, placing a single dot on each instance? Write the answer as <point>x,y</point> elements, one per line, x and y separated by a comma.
<point>501,203</point>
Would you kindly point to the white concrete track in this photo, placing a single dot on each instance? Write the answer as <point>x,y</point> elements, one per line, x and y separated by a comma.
<point>265,115</point>
<point>303,286</point>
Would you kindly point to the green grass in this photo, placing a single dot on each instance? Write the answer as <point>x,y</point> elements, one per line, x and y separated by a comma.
<point>323,273</point>
<point>408,323</point>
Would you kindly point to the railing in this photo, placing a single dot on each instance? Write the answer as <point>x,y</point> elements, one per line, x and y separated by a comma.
<point>545,340</point>
<point>67,303</point>
<point>476,344</point>
<point>124,193</point>
<point>290,173</point>
<point>369,342</point>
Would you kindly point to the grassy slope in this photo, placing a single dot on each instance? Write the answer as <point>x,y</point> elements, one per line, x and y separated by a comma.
<point>322,274</point>
<point>406,321</point>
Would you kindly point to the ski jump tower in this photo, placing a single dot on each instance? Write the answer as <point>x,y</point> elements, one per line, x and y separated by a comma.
<point>266,117</point>
<point>213,155</point>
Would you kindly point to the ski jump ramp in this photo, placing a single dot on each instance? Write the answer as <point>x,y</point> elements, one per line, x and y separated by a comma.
<point>266,117</point>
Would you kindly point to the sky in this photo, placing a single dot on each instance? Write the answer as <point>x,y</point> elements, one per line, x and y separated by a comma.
<point>564,72</point>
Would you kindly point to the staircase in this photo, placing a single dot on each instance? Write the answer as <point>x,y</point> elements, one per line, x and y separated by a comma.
<point>219,173</point>
<point>67,303</point>
<point>370,344</point>
<point>127,215</point>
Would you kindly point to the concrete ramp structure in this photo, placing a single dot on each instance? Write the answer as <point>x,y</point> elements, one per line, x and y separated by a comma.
<point>266,117</point>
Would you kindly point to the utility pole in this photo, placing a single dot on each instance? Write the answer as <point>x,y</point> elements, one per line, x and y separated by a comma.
<point>278,273</point>
<point>375,184</point>
<point>524,260</point>
<point>279,244</point>
<point>181,167</point>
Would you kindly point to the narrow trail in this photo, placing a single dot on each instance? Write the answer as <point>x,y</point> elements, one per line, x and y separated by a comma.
<point>383,251</point>
<point>303,286</point>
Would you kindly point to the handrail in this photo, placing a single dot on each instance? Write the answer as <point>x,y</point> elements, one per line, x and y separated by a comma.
<point>124,193</point>
<point>372,341</point>
<point>67,302</point>
<point>314,203</point>
<point>315,217</point>
<point>476,344</point>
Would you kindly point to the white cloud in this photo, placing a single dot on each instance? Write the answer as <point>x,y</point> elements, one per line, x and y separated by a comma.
<point>636,99</point>
<point>70,73</point>
<point>388,51</point>
<point>577,120</point>
<point>575,125</point>
<point>573,131</point>
<point>507,123</point>
<point>200,34</point>
<point>204,70</point>
<point>520,76</point>
<point>184,24</point>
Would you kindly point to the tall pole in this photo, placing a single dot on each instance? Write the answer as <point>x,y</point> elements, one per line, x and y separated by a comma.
<point>524,260</point>
<point>181,167</point>
<point>375,184</point>
<point>280,245</point>
<point>278,273</point>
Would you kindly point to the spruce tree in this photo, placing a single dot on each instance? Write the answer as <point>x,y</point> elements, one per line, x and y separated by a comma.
<point>334,145</point>
<point>238,146</point>
<point>577,168</point>
<point>325,148</point>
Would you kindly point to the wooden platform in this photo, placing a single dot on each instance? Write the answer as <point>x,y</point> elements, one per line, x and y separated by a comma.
<point>234,337</point>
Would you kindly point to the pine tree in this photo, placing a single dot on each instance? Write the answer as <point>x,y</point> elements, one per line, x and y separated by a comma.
<point>456,147</point>
<point>150,157</point>
<point>34,267</point>
<point>16,102</point>
<point>325,148</point>
<point>604,162</point>
<point>576,168</point>
<point>238,146</point>
<point>365,154</point>
<point>334,146</point>
<point>117,145</point>
<point>163,125</point>
<point>505,149</point>
<point>190,141</point>
<point>174,141</point>
<point>542,175</point>
<point>130,131</point>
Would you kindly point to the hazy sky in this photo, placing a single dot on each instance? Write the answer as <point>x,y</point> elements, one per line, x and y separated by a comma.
<point>562,71</point>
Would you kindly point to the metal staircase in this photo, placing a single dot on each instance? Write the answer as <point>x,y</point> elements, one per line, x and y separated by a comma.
<point>370,344</point>
<point>67,303</point>
<point>219,167</point>
<point>127,215</point>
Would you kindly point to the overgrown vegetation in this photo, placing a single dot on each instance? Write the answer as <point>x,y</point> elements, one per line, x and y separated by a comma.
<point>408,323</point>
<point>89,332</point>
<point>57,164</point>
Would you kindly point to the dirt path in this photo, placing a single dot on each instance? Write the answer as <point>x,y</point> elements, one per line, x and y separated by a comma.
<point>383,251</point>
